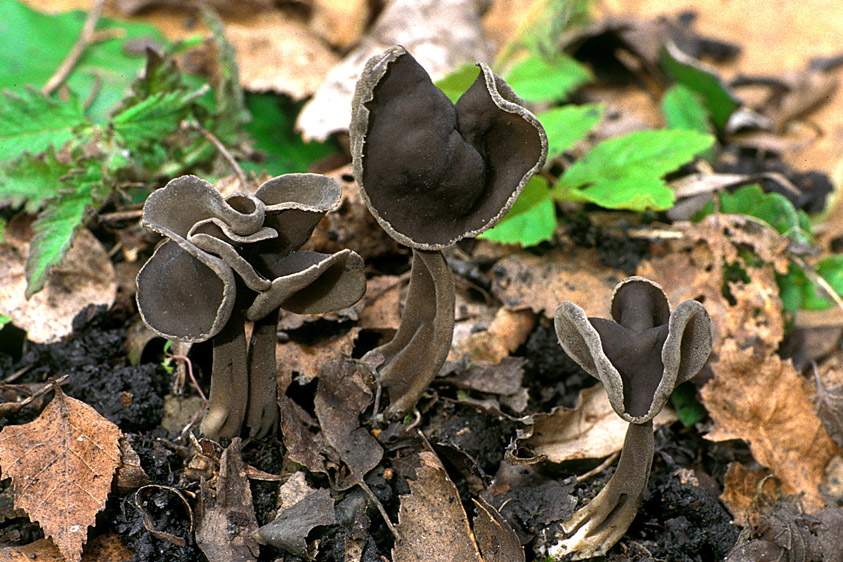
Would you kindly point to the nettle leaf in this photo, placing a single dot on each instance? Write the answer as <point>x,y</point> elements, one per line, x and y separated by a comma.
<point>568,124</point>
<point>545,79</point>
<point>274,134</point>
<point>683,108</point>
<point>32,122</point>
<point>458,81</point>
<point>531,220</point>
<point>687,71</point>
<point>626,172</point>
<point>34,45</point>
<point>57,225</point>
<point>153,118</point>
<point>31,180</point>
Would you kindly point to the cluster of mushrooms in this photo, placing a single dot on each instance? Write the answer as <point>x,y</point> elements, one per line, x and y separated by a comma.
<point>432,173</point>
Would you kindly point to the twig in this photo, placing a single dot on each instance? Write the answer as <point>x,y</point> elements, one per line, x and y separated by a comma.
<point>189,365</point>
<point>238,171</point>
<point>380,508</point>
<point>66,66</point>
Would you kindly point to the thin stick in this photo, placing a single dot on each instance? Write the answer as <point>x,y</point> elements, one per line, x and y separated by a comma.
<point>66,66</point>
<point>189,365</point>
<point>599,468</point>
<point>238,171</point>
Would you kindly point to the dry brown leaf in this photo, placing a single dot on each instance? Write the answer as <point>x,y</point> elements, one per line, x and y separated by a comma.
<point>693,267</point>
<point>105,548</point>
<point>340,22</point>
<point>61,465</point>
<point>444,34</point>
<point>42,550</point>
<point>225,519</point>
<point>276,52</point>
<point>741,492</point>
<point>506,332</point>
<point>497,541</point>
<point>381,303</point>
<point>764,401</point>
<point>303,362</point>
<point>86,276</point>
<point>590,430</point>
<point>542,283</point>
<point>431,520</point>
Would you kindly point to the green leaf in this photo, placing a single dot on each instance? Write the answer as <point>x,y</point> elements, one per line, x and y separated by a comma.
<point>274,135</point>
<point>458,81</point>
<point>567,125</point>
<point>686,71</point>
<point>683,108</point>
<point>32,122</point>
<point>33,45</point>
<point>542,79</point>
<point>531,220</point>
<point>684,400</point>
<point>4,320</point>
<point>59,222</point>
<point>625,172</point>
<point>152,118</point>
<point>772,208</point>
<point>31,180</point>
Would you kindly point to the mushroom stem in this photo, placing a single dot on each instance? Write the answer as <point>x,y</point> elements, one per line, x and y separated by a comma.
<point>229,391</point>
<point>262,416</point>
<point>414,356</point>
<point>595,528</point>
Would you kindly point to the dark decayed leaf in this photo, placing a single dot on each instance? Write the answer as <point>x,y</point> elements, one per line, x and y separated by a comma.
<point>225,520</point>
<point>302,508</point>
<point>829,407</point>
<point>340,398</point>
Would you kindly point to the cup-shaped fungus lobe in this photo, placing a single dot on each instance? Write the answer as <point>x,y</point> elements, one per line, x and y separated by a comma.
<point>228,260</point>
<point>433,172</point>
<point>644,352</point>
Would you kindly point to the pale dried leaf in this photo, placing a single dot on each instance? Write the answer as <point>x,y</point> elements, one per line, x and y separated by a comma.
<point>276,52</point>
<point>506,332</point>
<point>382,310</point>
<point>340,22</point>
<point>763,400</point>
<point>590,430</point>
<point>444,34</point>
<point>61,465</point>
<point>431,520</point>
<point>541,283</point>
<point>86,276</point>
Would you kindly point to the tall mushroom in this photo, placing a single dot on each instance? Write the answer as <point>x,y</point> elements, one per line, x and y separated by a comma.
<point>433,173</point>
<point>226,261</point>
<point>640,356</point>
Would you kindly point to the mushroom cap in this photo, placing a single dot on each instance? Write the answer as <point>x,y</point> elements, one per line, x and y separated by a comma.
<point>188,288</point>
<point>644,353</point>
<point>432,172</point>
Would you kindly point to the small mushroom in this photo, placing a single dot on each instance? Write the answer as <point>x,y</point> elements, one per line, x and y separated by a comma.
<point>227,261</point>
<point>433,173</point>
<point>640,356</point>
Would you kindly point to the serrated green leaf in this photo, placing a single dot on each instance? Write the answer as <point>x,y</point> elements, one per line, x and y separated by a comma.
<point>683,108</point>
<point>568,124</point>
<point>33,45</point>
<point>274,135</point>
<point>59,222</point>
<point>625,172</point>
<point>688,72</point>
<point>772,208</point>
<point>152,118</point>
<point>458,81</point>
<point>32,122</point>
<point>547,79</point>
<point>31,180</point>
<point>531,220</point>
